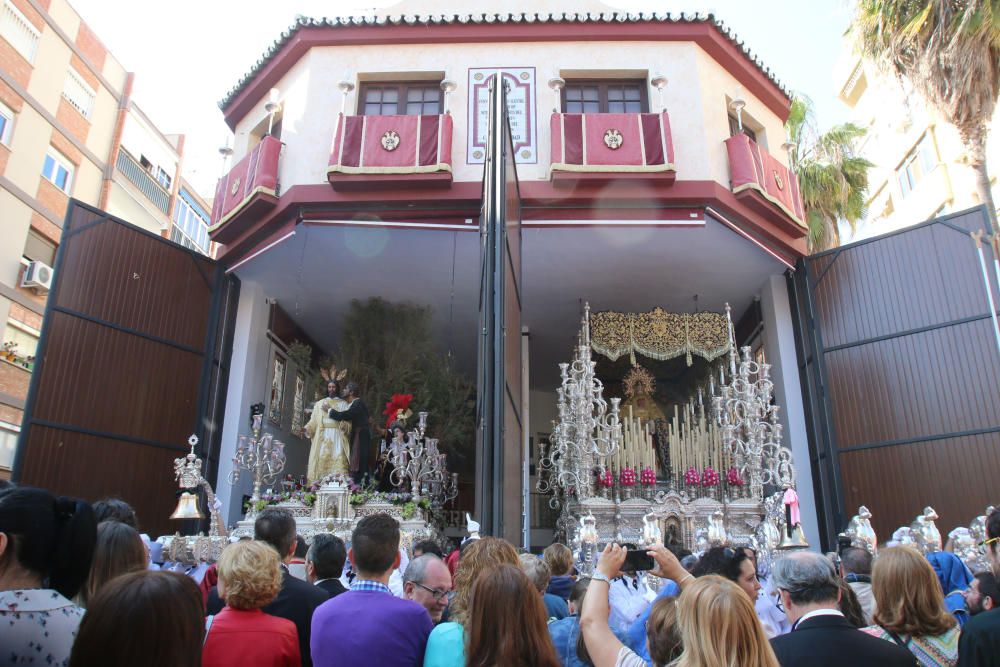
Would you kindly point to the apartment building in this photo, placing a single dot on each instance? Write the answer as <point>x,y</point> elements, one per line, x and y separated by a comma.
<point>920,166</point>
<point>70,129</point>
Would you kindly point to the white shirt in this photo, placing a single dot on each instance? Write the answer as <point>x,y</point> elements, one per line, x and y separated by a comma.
<point>628,597</point>
<point>818,612</point>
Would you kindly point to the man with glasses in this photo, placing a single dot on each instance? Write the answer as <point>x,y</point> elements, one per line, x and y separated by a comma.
<point>980,640</point>
<point>983,594</point>
<point>427,581</point>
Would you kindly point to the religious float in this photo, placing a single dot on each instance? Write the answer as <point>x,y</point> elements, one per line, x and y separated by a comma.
<point>713,472</point>
<point>332,504</point>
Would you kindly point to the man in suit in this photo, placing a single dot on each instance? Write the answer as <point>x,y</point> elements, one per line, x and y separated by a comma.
<point>979,643</point>
<point>361,435</point>
<point>297,599</point>
<point>821,636</point>
<point>325,563</point>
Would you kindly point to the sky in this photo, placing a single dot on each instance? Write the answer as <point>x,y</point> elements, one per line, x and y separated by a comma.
<point>187,54</point>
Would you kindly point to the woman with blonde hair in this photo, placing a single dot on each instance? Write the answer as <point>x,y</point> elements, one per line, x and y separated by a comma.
<point>119,551</point>
<point>910,609</point>
<point>719,627</point>
<point>446,644</point>
<point>241,634</point>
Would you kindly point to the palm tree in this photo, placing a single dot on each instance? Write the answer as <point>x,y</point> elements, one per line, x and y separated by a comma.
<point>950,51</point>
<point>832,177</point>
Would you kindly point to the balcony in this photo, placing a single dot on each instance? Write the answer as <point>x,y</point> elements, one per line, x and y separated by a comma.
<point>141,179</point>
<point>763,183</point>
<point>249,190</point>
<point>378,152</point>
<point>611,146</point>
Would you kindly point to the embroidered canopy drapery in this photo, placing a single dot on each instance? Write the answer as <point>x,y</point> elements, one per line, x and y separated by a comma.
<point>659,334</point>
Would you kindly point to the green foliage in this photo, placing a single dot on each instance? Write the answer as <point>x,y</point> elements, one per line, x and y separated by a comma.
<point>833,178</point>
<point>950,51</point>
<point>301,355</point>
<point>389,348</point>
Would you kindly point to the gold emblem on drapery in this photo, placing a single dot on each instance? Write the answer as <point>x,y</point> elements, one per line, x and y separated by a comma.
<point>659,334</point>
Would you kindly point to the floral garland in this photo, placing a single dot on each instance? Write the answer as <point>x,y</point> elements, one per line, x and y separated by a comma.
<point>294,490</point>
<point>370,494</point>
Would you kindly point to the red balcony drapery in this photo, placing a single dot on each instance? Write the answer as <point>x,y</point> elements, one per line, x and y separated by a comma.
<point>753,168</point>
<point>253,178</point>
<point>612,142</point>
<point>392,145</point>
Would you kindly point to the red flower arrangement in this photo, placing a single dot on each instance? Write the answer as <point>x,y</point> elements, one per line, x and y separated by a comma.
<point>400,403</point>
<point>710,477</point>
<point>733,477</point>
<point>691,477</point>
<point>627,477</point>
<point>647,477</point>
<point>607,479</point>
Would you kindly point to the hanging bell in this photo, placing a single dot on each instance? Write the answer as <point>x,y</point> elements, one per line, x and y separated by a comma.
<point>797,540</point>
<point>187,507</point>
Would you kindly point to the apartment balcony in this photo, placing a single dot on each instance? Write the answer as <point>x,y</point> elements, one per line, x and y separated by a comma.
<point>764,184</point>
<point>249,190</point>
<point>606,147</point>
<point>143,181</point>
<point>379,152</point>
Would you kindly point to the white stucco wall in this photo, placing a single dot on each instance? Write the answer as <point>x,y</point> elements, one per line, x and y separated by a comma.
<point>696,97</point>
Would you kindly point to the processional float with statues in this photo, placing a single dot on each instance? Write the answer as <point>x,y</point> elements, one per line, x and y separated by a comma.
<point>413,463</point>
<point>714,472</point>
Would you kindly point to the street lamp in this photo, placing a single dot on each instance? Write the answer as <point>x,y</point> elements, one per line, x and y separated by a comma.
<point>557,83</point>
<point>345,87</point>
<point>660,82</point>
<point>448,86</point>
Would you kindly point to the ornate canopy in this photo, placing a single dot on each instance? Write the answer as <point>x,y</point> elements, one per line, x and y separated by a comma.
<point>659,334</point>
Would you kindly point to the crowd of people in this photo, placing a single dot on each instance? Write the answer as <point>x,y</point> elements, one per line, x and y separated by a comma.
<point>78,586</point>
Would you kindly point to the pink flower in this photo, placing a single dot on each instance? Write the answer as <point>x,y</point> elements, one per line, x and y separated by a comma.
<point>647,477</point>
<point>691,477</point>
<point>606,480</point>
<point>627,477</point>
<point>710,477</point>
<point>733,477</point>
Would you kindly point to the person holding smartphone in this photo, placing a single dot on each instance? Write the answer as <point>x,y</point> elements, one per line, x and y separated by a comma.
<point>604,648</point>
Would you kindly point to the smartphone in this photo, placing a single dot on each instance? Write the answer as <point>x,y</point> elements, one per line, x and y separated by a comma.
<point>638,561</point>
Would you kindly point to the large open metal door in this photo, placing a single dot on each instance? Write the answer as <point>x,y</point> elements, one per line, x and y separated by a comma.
<point>499,419</point>
<point>132,360</point>
<point>901,376</point>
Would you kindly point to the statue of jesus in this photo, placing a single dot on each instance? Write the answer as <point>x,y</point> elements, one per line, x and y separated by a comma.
<point>330,451</point>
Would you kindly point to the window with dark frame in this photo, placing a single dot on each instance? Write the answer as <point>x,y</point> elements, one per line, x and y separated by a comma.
<point>605,96</point>
<point>413,98</point>
<point>734,129</point>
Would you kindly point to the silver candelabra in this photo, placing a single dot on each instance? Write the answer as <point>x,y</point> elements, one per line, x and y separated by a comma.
<point>417,461</point>
<point>260,455</point>
<point>586,432</point>
<point>748,419</point>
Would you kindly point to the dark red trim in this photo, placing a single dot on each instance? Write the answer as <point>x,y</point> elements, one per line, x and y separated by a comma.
<point>569,179</point>
<point>704,34</point>
<point>763,206</point>
<point>258,206</point>
<point>641,200</point>
<point>652,137</point>
<point>380,182</point>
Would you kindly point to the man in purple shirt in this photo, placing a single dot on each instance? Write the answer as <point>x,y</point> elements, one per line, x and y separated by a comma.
<point>368,625</point>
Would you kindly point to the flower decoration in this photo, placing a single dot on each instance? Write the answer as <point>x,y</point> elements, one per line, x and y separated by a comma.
<point>691,477</point>
<point>397,408</point>
<point>627,477</point>
<point>710,477</point>
<point>647,477</point>
<point>607,479</point>
<point>733,477</point>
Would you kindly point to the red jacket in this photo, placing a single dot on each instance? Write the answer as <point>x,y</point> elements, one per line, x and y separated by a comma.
<point>239,638</point>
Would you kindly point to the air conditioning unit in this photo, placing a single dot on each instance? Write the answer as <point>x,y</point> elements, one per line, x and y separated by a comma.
<point>38,276</point>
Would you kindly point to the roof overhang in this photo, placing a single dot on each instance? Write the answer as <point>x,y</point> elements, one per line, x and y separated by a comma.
<point>712,36</point>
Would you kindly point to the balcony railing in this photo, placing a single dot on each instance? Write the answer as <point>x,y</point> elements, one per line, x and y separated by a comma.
<point>367,148</point>
<point>140,178</point>
<point>249,189</point>
<point>611,143</point>
<point>767,184</point>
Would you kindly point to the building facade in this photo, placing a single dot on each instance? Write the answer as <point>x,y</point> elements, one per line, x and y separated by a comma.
<point>69,129</point>
<point>651,174</point>
<point>921,171</point>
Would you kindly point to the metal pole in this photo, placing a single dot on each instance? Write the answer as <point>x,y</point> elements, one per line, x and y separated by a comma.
<point>978,238</point>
